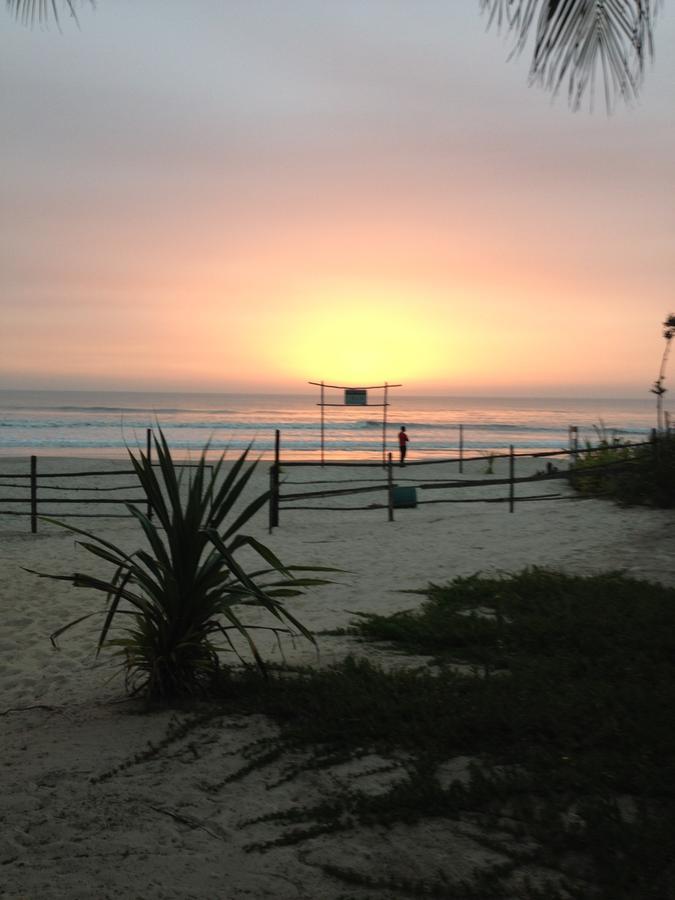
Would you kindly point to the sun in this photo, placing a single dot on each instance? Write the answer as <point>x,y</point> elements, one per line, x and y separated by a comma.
<point>365,341</point>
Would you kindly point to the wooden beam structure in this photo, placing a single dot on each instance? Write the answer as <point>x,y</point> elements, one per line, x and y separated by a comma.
<point>354,397</point>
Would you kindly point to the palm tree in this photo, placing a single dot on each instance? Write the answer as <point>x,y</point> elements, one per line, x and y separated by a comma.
<point>658,388</point>
<point>578,41</point>
<point>31,11</point>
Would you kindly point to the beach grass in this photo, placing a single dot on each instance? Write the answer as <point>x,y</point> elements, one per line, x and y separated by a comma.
<point>556,692</point>
<point>631,475</point>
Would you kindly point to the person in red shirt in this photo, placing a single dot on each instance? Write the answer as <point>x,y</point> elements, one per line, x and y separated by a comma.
<point>403,443</point>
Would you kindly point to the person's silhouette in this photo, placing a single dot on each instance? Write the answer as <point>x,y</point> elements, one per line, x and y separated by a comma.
<point>403,444</point>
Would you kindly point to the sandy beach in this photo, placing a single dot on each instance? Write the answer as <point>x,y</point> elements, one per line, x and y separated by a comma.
<point>332,231</point>
<point>155,830</point>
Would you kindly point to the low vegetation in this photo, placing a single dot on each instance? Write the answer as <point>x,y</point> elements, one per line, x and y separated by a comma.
<point>558,692</point>
<point>174,605</point>
<point>642,474</point>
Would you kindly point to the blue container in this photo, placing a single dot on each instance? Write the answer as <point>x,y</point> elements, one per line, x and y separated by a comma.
<point>356,397</point>
<point>405,497</point>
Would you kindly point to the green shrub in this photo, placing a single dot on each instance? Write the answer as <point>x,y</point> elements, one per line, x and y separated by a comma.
<point>640,474</point>
<point>175,600</point>
<point>567,717</point>
<point>560,727</point>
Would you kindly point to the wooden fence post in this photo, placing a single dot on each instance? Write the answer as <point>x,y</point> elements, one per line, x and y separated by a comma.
<point>573,438</point>
<point>274,485</point>
<point>33,494</point>
<point>148,451</point>
<point>461,449</point>
<point>655,447</point>
<point>511,476</point>
<point>390,488</point>
<point>323,424</point>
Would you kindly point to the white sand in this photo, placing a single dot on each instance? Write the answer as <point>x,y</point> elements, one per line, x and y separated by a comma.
<point>157,829</point>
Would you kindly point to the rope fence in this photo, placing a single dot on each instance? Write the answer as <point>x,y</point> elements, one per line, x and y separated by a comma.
<point>30,486</point>
<point>389,486</point>
<point>32,483</point>
<point>33,487</point>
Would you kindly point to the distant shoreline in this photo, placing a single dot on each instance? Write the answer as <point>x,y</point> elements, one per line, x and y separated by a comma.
<point>312,396</point>
<point>96,425</point>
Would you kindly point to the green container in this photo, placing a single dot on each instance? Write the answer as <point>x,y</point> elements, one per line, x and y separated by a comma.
<point>356,397</point>
<point>405,497</point>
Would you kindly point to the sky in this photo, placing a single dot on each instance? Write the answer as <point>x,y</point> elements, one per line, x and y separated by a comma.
<point>246,195</point>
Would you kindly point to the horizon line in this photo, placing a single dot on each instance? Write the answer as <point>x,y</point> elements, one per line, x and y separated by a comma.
<point>305,393</point>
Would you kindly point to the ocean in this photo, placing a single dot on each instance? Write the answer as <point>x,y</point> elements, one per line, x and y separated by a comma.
<point>103,424</point>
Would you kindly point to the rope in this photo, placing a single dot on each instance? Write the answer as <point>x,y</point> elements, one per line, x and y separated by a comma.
<point>337,508</point>
<point>367,490</point>
<point>58,487</point>
<point>328,481</point>
<point>8,512</point>
<point>495,499</point>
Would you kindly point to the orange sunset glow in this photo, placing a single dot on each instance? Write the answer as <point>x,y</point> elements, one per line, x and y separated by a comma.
<point>229,201</point>
<point>355,336</point>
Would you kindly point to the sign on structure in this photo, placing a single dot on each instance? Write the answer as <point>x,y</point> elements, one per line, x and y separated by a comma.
<point>356,397</point>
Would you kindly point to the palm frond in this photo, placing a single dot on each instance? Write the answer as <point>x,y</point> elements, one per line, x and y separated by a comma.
<point>32,12</point>
<point>581,42</point>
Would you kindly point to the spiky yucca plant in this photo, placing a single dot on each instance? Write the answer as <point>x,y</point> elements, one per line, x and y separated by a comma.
<point>176,600</point>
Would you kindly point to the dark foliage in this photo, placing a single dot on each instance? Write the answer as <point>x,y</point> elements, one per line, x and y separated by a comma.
<point>173,605</point>
<point>567,711</point>
<point>581,42</point>
<point>643,474</point>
